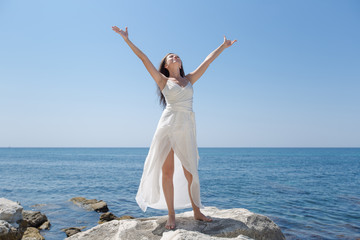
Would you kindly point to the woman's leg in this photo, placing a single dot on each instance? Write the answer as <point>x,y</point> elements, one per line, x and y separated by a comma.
<point>197,213</point>
<point>168,188</point>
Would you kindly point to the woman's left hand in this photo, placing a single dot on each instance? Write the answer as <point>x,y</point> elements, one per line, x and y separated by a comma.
<point>227,43</point>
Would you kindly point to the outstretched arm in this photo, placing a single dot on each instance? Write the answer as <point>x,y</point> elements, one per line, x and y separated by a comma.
<point>159,78</point>
<point>195,75</point>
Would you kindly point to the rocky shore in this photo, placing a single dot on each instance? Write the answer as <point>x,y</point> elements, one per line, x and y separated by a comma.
<point>236,223</point>
<point>16,223</point>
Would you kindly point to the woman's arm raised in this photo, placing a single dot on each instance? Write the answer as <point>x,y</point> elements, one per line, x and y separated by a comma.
<point>195,75</point>
<point>159,78</point>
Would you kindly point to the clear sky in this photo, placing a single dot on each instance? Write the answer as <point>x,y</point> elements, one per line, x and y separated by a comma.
<point>292,79</point>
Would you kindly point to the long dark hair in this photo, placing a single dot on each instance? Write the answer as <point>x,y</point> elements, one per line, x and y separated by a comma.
<point>164,71</point>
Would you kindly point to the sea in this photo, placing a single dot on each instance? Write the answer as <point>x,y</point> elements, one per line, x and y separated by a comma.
<point>310,193</point>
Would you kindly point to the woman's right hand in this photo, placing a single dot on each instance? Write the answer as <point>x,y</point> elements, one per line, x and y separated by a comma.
<point>122,33</point>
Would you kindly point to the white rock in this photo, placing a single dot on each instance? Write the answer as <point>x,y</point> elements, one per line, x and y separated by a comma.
<point>5,227</point>
<point>231,223</point>
<point>10,211</point>
<point>182,234</point>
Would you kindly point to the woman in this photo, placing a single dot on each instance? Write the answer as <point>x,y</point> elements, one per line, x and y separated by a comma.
<point>171,166</point>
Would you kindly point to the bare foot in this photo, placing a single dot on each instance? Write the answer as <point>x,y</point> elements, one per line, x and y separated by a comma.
<point>170,224</point>
<point>201,217</point>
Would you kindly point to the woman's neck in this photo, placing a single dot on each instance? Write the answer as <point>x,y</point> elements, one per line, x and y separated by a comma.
<point>174,73</point>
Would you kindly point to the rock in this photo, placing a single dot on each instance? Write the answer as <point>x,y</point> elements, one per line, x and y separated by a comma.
<point>91,204</point>
<point>125,217</point>
<point>12,227</point>
<point>182,234</point>
<point>9,232</point>
<point>72,231</point>
<point>10,211</point>
<point>100,206</point>
<point>4,227</point>
<point>32,233</point>
<point>234,223</point>
<point>18,224</point>
<point>107,217</point>
<point>46,225</point>
<point>34,218</point>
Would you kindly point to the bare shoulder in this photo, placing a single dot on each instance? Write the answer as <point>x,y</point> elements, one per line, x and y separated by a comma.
<point>190,78</point>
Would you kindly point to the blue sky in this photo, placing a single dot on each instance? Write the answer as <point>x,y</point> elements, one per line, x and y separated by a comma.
<point>291,79</point>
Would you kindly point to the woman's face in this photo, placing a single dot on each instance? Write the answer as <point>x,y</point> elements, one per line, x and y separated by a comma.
<point>173,59</point>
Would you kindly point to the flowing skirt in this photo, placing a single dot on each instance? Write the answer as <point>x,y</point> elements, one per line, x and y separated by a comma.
<point>176,130</point>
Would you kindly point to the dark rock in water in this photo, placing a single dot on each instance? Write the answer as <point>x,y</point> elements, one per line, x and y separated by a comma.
<point>34,218</point>
<point>125,217</point>
<point>32,233</point>
<point>107,217</point>
<point>45,226</point>
<point>237,223</point>
<point>72,231</point>
<point>90,204</point>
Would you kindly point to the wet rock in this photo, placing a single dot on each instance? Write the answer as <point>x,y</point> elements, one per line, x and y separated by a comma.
<point>107,217</point>
<point>91,204</point>
<point>72,231</point>
<point>125,217</point>
<point>32,233</point>
<point>234,223</point>
<point>34,218</point>
<point>45,226</point>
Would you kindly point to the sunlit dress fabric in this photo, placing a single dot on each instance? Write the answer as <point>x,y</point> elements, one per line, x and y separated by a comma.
<point>176,129</point>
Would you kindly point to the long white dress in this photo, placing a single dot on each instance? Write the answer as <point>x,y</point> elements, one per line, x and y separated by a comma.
<point>176,129</point>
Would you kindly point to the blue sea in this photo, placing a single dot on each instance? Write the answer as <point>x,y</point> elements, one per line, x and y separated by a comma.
<point>311,193</point>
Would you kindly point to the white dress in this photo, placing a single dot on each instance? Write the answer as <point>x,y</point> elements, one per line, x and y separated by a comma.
<point>176,129</point>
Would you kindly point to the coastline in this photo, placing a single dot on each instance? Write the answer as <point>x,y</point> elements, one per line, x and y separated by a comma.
<point>17,224</point>
<point>312,189</point>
